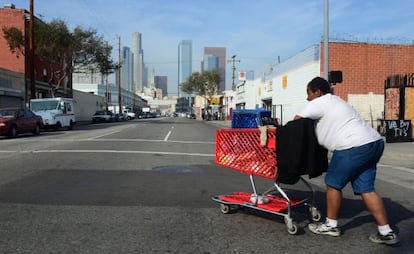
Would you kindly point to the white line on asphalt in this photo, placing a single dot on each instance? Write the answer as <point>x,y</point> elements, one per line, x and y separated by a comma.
<point>409,170</point>
<point>111,151</point>
<point>166,137</point>
<point>128,152</point>
<point>105,134</point>
<point>119,140</point>
<point>5,151</point>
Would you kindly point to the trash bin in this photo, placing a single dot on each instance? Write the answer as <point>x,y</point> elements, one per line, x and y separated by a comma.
<point>251,118</point>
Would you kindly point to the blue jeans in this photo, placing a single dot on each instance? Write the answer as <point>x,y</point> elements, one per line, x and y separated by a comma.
<point>357,165</point>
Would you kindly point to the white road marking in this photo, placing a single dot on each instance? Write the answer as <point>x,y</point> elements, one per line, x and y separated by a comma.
<point>166,137</point>
<point>120,140</point>
<point>105,134</point>
<point>111,151</point>
<point>409,170</point>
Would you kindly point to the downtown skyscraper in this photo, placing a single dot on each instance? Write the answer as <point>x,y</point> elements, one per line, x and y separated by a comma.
<point>220,53</point>
<point>127,69</point>
<point>185,62</point>
<point>138,63</point>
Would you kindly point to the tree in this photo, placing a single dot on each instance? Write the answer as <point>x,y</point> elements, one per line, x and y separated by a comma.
<point>15,40</point>
<point>91,51</point>
<point>204,84</point>
<point>62,50</point>
<point>53,44</point>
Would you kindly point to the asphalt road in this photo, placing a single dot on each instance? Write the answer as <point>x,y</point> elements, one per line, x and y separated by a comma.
<point>145,186</point>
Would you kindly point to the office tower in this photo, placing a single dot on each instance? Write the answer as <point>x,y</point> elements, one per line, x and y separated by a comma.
<point>185,61</point>
<point>145,76</point>
<point>138,60</point>
<point>151,79</point>
<point>210,63</point>
<point>161,83</point>
<point>219,52</point>
<point>127,67</point>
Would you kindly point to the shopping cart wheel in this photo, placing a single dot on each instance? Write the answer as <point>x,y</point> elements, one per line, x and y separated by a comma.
<point>315,213</point>
<point>225,208</point>
<point>293,229</point>
<point>291,226</point>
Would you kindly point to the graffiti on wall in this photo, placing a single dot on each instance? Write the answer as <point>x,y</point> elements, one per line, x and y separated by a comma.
<point>398,130</point>
<point>392,103</point>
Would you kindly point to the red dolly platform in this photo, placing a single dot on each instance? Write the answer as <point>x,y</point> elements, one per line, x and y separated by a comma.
<point>254,153</point>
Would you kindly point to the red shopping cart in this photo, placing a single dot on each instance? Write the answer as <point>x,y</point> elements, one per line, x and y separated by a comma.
<point>253,152</point>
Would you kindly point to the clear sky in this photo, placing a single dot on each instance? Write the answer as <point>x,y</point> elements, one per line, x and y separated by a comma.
<point>257,31</point>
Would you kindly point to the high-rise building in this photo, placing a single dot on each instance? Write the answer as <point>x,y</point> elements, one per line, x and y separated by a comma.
<point>220,53</point>
<point>145,76</point>
<point>138,60</point>
<point>161,83</point>
<point>210,63</point>
<point>185,61</point>
<point>127,67</point>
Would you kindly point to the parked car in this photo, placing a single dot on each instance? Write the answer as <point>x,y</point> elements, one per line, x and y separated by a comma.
<point>120,117</point>
<point>103,116</point>
<point>147,115</point>
<point>152,115</point>
<point>14,121</point>
<point>191,116</point>
<point>141,115</point>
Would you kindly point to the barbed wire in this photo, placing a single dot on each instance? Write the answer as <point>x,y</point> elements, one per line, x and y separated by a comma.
<point>372,39</point>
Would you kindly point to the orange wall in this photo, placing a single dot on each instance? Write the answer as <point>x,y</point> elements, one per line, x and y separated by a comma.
<point>8,60</point>
<point>409,104</point>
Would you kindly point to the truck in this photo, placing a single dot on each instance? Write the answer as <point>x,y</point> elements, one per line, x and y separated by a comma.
<point>56,112</point>
<point>125,110</point>
<point>130,115</point>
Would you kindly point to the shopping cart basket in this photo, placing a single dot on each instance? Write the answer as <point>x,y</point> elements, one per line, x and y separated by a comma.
<point>254,153</point>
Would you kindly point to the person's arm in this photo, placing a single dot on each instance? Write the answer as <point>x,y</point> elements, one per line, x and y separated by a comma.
<point>297,117</point>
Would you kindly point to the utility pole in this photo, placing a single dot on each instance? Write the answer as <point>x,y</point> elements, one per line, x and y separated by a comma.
<point>119,75</point>
<point>326,41</point>
<point>233,61</point>
<point>31,53</point>
<point>106,76</point>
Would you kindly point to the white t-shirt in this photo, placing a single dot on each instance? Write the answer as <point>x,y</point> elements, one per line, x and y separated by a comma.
<point>338,125</point>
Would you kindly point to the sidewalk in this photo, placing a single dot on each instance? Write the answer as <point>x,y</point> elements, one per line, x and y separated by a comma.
<point>395,151</point>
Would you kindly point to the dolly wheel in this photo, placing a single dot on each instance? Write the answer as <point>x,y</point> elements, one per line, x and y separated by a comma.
<point>224,208</point>
<point>293,230</point>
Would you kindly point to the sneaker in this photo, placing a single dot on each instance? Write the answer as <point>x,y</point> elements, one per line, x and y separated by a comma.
<point>390,238</point>
<point>322,228</point>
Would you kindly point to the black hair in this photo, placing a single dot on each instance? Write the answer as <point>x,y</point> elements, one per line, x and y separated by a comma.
<point>321,84</point>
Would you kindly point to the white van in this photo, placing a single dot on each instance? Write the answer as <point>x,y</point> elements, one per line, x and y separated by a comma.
<point>56,112</point>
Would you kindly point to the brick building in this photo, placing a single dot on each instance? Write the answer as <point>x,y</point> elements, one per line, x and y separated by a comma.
<point>15,82</point>
<point>368,70</point>
<point>366,66</point>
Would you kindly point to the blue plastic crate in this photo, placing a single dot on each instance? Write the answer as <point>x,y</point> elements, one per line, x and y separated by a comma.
<point>249,118</point>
